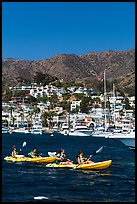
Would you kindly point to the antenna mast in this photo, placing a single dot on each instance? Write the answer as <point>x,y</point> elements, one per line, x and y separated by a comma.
<point>105,94</point>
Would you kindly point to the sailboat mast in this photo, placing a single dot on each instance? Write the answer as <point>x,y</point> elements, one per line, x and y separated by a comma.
<point>68,120</point>
<point>105,94</point>
<point>114,103</point>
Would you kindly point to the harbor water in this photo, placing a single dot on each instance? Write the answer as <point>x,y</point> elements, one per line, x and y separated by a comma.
<point>33,182</point>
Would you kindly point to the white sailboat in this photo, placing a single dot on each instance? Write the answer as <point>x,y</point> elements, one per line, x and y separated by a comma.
<point>102,132</point>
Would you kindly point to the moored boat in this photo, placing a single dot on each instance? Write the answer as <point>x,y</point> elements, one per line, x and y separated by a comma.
<point>37,128</point>
<point>21,130</point>
<point>79,129</point>
<point>94,166</point>
<point>6,130</point>
<point>127,139</point>
<point>101,134</point>
<point>80,132</point>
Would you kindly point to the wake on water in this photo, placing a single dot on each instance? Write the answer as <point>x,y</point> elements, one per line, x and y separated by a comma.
<point>40,197</point>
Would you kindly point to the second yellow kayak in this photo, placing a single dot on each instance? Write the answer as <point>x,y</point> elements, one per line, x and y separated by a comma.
<point>94,166</point>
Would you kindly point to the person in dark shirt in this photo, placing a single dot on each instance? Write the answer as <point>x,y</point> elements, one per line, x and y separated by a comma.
<point>61,158</point>
<point>81,159</point>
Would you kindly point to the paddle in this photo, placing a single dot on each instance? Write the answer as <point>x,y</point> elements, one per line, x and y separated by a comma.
<point>23,145</point>
<point>96,152</point>
<point>51,154</point>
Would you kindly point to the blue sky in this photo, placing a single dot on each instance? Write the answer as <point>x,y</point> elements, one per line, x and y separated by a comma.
<point>39,30</point>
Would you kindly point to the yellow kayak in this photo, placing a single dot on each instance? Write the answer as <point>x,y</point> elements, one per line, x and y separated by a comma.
<point>29,159</point>
<point>94,166</point>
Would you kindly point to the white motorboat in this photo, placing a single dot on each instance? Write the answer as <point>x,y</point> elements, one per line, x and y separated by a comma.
<point>76,132</point>
<point>79,132</point>
<point>79,129</point>
<point>21,130</point>
<point>64,132</point>
<point>127,138</point>
<point>6,130</point>
<point>37,128</point>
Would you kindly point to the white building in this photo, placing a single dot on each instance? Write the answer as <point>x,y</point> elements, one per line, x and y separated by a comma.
<point>74,105</point>
<point>47,90</point>
<point>132,101</point>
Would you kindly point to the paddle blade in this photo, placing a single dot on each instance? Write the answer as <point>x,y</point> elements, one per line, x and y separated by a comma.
<point>51,154</point>
<point>24,144</point>
<point>99,150</point>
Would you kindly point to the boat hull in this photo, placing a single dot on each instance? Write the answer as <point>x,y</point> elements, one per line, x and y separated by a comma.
<point>37,132</point>
<point>21,131</point>
<point>94,166</point>
<point>75,133</point>
<point>78,134</point>
<point>129,142</point>
<point>28,159</point>
<point>6,130</point>
<point>101,134</point>
<point>126,139</point>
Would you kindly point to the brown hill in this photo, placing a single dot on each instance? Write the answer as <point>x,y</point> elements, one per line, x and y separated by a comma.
<point>70,67</point>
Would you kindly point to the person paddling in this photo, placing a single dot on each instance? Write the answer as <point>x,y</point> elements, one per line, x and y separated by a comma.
<point>14,152</point>
<point>81,159</point>
<point>34,153</point>
<point>61,158</point>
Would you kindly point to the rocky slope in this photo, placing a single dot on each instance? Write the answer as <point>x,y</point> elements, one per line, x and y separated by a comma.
<point>70,67</point>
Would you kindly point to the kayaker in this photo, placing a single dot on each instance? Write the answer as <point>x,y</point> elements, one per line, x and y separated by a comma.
<point>14,152</point>
<point>61,158</point>
<point>81,159</point>
<point>34,153</point>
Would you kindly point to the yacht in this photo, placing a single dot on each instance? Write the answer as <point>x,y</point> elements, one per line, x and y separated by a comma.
<point>101,133</point>
<point>37,128</point>
<point>126,137</point>
<point>78,129</point>
<point>79,132</point>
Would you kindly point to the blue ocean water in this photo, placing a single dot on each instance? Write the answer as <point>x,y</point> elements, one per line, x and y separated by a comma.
<point>29,182</point>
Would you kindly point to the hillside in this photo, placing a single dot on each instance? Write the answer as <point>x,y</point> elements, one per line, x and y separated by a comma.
<point>70,67</point>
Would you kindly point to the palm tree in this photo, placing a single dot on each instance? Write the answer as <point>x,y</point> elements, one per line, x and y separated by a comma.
<point>22,116</point>
<point>36,110</point>
<point>29,117</point>
<point>48,117</point>
<point>11,109</point>
<point>13,120</point>
<point>121,112</point>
